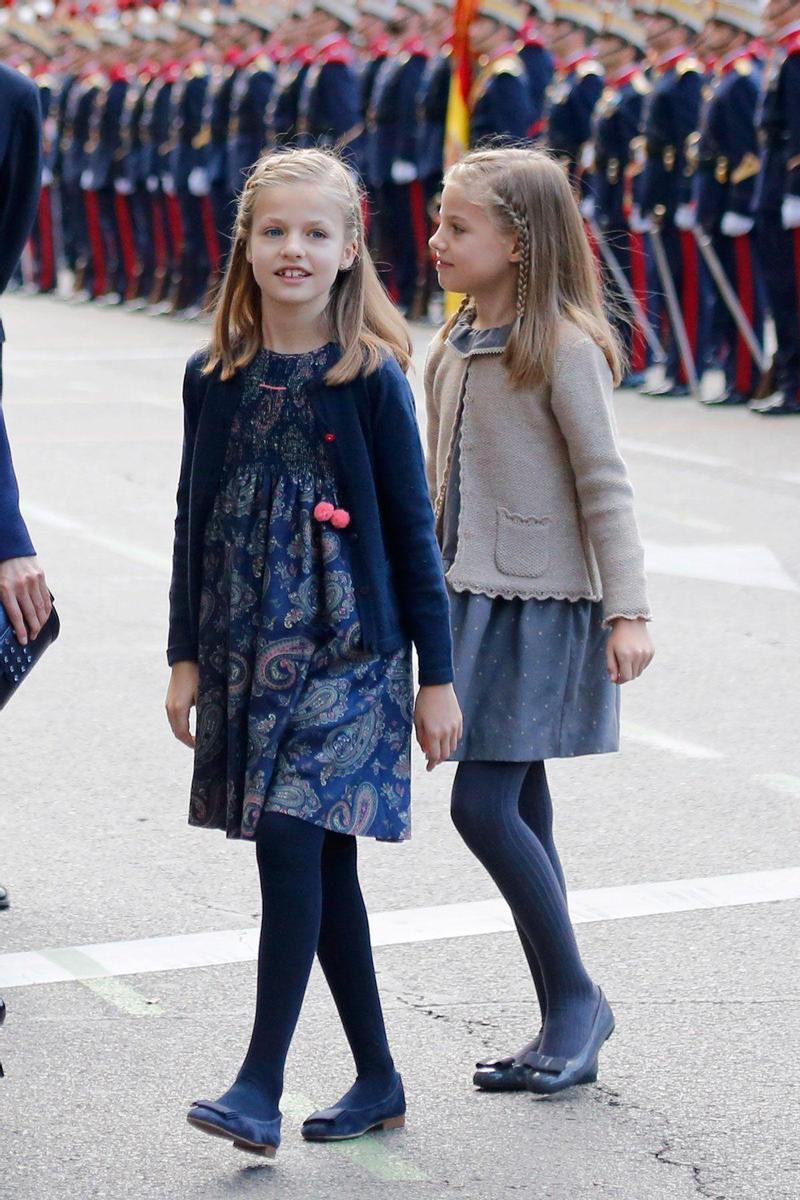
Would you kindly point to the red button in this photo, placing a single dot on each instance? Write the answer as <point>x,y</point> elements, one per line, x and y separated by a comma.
<point>330,437</point>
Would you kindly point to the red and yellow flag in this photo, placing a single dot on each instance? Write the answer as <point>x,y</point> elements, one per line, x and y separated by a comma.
<point>456,138</point>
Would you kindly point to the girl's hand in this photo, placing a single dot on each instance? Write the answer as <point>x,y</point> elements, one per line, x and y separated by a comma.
<point>438,722</point>
<point>181,699</point>
<point>629,650</point>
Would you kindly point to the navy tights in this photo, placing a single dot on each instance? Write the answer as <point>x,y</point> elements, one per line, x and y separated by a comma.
<point>311,903</point>
<point>504,814</point>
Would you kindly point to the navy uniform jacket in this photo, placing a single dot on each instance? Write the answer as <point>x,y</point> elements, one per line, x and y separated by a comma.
<point>432,100</point>
<point>219,119</point>
<point>779,126</point>
<point>329,107</point>
<point>250,97</point>
<point>78,126</point>
<point>616,123</point>
<point>67,84</point>
<point>671,115</point>
<point>20,172</point>
<point>131,154</point>
<point>282,111</point>
<point>571,99</point>
<point>539,66</point>
<point>499,101</point>
<point>367,70</point>
<point>380,473</point>
<point>107,132</point>
<point>727,150</point>
<point>188,100</point>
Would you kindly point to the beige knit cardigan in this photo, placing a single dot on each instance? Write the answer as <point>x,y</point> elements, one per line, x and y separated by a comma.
<point>546,502</point>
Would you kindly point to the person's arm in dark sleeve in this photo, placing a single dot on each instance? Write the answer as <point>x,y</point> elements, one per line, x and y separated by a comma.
<point>20,175</point>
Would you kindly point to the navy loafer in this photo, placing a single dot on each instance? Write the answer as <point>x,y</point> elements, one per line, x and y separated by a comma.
<point>505,1074</point>
<point>547,1075</point>
<point>246,1133</point>
<point>340,1122</point>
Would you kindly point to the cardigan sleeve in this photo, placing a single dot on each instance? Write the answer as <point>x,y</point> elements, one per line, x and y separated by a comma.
<point>582,399</point>
<point>432,418</point>
<point>407,518</point>
<point>182,643</point>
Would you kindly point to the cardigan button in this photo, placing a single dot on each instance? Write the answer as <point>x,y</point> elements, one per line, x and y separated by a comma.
<point>330,437</point>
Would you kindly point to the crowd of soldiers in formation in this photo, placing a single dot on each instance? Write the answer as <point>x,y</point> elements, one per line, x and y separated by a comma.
<point>679,123</point>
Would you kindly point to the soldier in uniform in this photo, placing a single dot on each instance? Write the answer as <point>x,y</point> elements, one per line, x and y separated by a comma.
<point>432,102</point>
<point>282,111</point>
<point>576,86</point>
<point>156,134</point>
<point>81,200</point>
<point>250,97</point>
<point>671,116</point>
<point>724,183</point>
<point>538,61</point>
<point>621,48</point>
<point>777,199</point>
<point>329,107</point>
<point>499,101</point>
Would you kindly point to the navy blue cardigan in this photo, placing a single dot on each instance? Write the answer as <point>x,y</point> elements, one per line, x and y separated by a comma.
<point>379,468</point>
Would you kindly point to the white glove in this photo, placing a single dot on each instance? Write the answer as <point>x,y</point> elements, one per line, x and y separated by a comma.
<point>588,208</point>
<point>790,212</point>
<point>735,225</point>
<point>47,177</point>
<point>638,223</point>
<point>87,179</point>
<point>151,183</point>
<point>685,217</point>
<point>403,171</point>
<point>198,181</point>
<point>168,184</point>
<point>123,186</point>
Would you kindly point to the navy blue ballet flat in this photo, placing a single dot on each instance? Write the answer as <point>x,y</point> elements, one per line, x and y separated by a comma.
<point>547,1075</point>
<point>339,1123</point>
<point>246,1133</point>
<point>504,1074</point>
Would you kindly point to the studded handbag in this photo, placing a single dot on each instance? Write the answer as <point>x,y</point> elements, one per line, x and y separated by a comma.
<point>17,661</point>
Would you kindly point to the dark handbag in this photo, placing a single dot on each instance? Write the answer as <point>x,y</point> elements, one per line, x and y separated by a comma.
<point>17,661</point>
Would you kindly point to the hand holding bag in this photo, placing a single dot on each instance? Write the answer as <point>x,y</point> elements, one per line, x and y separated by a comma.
<point>17,661</point>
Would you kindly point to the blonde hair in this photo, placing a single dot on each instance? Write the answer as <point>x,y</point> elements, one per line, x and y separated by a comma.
<point>527,194</point>
<point>360,315</point>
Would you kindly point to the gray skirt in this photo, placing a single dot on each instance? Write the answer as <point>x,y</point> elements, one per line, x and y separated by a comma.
<point>530,675</point>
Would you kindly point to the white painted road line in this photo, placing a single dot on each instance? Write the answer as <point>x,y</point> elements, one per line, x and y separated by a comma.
<point>396,928</point>
<point>138,554</point>
<point>742,565</point>
<point>643,735</point>
<point>656,450</point>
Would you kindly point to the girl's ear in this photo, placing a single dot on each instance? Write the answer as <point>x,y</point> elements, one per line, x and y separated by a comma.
<point>247,252</point>
<point>516,253</point>
<point>348,256</point>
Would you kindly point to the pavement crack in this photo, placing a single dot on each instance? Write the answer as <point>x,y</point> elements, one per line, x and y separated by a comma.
<point>703,1188</point>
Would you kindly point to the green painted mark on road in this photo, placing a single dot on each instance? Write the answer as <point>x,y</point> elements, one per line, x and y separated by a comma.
<point>370,1152</point>
<point>787,785</point>
<point>95,978</point>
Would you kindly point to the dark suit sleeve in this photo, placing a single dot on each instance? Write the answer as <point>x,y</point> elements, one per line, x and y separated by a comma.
<point>182,642</point>
<point>407,518</point>
<point>14,539</point>
<point>20,173</point>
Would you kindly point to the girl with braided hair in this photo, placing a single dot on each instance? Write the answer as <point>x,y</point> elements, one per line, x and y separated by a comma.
<point>543,560</point>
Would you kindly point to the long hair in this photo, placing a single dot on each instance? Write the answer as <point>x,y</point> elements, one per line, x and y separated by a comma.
<point>528,195</point>
<point>360,315</point>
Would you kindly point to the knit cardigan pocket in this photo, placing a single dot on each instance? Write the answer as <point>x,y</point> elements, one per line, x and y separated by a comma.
<point>522,546</point>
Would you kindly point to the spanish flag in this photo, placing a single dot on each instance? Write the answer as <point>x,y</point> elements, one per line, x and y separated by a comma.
<point>456,138</point>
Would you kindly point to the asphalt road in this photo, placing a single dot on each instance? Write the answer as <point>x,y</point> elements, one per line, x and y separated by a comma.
<point>698,1089</point>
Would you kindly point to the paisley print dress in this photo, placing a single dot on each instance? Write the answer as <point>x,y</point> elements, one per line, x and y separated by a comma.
<point>293,715</point>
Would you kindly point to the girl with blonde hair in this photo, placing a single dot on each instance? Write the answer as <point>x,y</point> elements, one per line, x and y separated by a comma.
<point>543,560</point>
<point>305,564</point>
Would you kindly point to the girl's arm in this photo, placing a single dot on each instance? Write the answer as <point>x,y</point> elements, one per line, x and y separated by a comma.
<point>408,523</point>
<point>581,399</point>
<point>182,644</point>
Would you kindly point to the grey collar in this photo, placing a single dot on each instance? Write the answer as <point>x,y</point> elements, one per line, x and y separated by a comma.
<point>467,341</point>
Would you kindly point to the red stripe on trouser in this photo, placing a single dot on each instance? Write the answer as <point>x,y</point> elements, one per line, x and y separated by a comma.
<point>638,263</point>
<point>96,246</point>
<point>175,226</point>
<point>419,220</point>
<point>594,247</point>
<point>47,254</point>
<point>210,233</point>
<point>690,294</point>
<point>125,225</point>
<point>366,216</point>
<point>746,292</point>
<point>159,233</point>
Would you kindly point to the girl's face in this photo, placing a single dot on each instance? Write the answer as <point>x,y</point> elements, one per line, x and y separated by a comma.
<point>472,254</point>
<point>297,245</point>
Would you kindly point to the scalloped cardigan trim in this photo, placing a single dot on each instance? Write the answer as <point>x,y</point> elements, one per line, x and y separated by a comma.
<point>546,502</point>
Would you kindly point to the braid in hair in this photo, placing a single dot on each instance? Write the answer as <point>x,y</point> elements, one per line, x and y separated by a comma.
<point>519,224</point>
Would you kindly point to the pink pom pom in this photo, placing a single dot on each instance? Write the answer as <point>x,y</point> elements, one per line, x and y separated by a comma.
<point>324,511</point>
<point>340,518</point>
